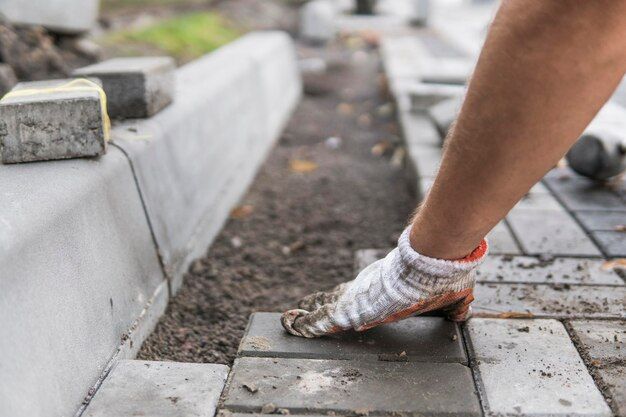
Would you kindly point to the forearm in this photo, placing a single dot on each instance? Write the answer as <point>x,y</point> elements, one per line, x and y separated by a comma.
<point>545,70</point>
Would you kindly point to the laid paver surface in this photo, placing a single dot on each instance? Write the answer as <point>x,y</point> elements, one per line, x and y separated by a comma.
<point>527,269</point>
<point>531,368</point>
<point>356,387</point>
<point>542,231</point>
<point>159,389</point>
<point>419,339</point>
<point>546,300</point>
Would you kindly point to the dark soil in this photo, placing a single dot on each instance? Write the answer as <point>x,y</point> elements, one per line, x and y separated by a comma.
<point>296,232</point>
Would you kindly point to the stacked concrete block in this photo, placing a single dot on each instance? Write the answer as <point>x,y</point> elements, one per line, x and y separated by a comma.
<point>195,160</point>
<point>135,87</point>
<point>65,16</point>
<point>81,281</point>
<point>52,120</point>
<point>317,21</point>
<point>159,389</point>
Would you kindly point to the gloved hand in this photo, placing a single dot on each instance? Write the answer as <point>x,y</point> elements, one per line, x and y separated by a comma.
<point>402,284</point>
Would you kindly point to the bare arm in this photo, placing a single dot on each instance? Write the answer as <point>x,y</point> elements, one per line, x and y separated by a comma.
<point>546,69</point>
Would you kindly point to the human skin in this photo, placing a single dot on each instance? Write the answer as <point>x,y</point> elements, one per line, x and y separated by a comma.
<point>545,70</point>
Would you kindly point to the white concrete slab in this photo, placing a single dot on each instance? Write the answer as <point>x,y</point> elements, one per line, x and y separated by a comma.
<point>159,389</point>
<point>81,281</point>
<point>531,368</point>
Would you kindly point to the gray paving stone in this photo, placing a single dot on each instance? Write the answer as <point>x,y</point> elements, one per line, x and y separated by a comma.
<point>501,241</point>
<point>612,243</point>
<point>603,340</point>
<point>135,87</point>
<point>539,201</point>
<point>416,339</point>
<point>526,269</point>
<point>614,378</point>
<point>426,160</point>
<point>168,389</point>
<point>550,232</point>
<point>544,300</point>
<point>50,125</point>
<point>424,95</point>
<point>322,386</point>
<point>531,368</point>
<point>418,130</point>
<point>579,193</point>
<point>601,220</point>
<point>444,114</point>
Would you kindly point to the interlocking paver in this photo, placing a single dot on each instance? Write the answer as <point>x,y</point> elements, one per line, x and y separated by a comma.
<point>545,300</point>
<point>418,130</point>
<point>501,241</point>
<point>135,86</point>
<point>550,232</point>
<point>578,193</point>
<point>322,386</point>
<point>526,269</point>
<point>605,344</point>
<point>159,389</point>
<point>603,340</point>
<point>539,201</point>
<point>420,339</point>
<point>531,368</point>
<point>425,160</point>
<point>612,243</point>
<point>444,113</point>
<point>601,220</point>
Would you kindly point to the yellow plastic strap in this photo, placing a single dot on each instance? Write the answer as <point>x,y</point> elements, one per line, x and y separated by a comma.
<point>80,84</point>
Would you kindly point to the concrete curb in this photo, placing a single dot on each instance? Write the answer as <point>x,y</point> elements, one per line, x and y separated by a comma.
<point>88,248</point>
<point>195,159</point>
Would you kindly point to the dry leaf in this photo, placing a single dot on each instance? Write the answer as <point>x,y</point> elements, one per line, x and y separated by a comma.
<point>620,228</point>
<point>344,109</point>
<point>380,148</point>
<point>364,120</point>
<point>302,165</point>
<point>241,212</point>
<point>614,263</point>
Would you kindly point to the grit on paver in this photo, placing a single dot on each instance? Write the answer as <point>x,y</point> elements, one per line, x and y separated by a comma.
<point>549,300</point>
<point>527,269</point>
<point>531,368</point>
<point>362,387</point>
<point>159,389</point>
<point>552,232</point>
<point>579,193</point>
<point>417,339</point>
<point>603,344</point>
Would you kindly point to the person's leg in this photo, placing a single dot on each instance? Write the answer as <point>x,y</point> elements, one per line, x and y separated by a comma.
<point>544,72</point>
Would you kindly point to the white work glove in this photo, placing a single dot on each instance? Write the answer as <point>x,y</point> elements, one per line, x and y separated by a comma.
<point>402,284</point>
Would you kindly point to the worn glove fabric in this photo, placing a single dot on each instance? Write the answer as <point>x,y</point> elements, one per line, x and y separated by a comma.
<point>402,284</point>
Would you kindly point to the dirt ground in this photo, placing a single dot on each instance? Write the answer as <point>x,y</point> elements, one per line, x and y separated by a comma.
<point>315,201</point>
